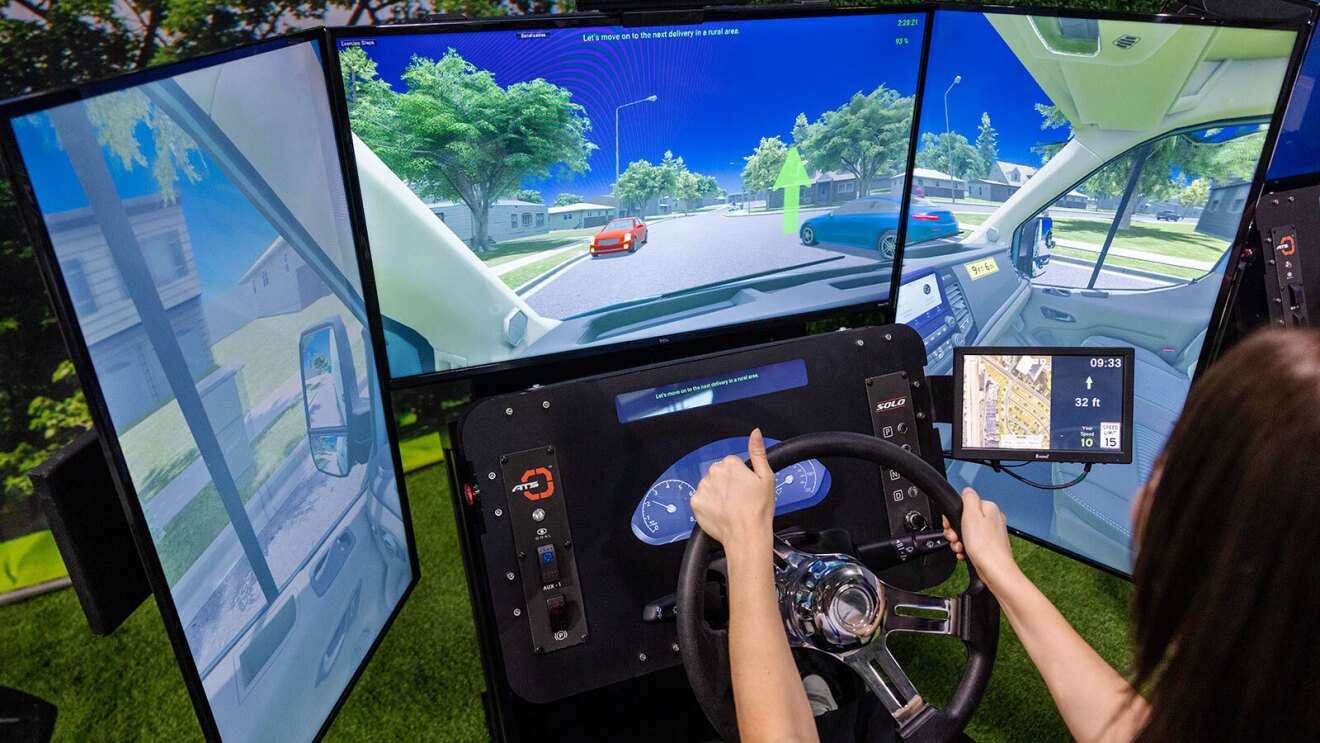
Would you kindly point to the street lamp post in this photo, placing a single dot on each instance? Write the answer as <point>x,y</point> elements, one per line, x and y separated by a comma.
<point>649,98</point>
<point>948,141</point>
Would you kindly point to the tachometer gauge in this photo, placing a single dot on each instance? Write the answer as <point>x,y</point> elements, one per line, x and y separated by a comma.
<point>664,515</point>
<point>795,482</point>
<point>666,510</point>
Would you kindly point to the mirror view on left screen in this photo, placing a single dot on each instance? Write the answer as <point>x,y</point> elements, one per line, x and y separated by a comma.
<point>201,238</point>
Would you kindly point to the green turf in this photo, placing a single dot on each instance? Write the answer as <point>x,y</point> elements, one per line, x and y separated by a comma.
<point>27,561</point>
<point>510,250</point>
<point>421,451</point>
<point>1162,269</point>
<point>425,682</point>
<point>525,274</point>
<point>1171,239</point>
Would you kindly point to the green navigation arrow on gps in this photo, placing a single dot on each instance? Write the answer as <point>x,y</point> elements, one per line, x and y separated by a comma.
<point>1088,383</point>
<point>791,178</point>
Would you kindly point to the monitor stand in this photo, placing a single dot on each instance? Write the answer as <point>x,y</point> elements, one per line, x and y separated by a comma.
<point>76,489</point>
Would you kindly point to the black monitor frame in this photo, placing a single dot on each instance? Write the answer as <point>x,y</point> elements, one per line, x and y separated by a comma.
<point>97,405</point>
<point>1239,254</point>
<point>548,368</point>
<point>1122,456</point>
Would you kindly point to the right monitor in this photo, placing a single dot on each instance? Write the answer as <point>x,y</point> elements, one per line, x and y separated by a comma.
<point>1097,168</point>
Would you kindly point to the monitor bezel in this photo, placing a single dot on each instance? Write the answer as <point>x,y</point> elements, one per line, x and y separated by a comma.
<point>548,368</point>
<point>97,406</point>
<point>1122,456</point>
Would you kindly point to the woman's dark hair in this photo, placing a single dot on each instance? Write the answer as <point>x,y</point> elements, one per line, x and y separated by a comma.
<point>1226,608</point>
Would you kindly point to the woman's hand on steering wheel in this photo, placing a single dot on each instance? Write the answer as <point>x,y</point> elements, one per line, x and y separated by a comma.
<point>984,538</point>
<point>736,505</point>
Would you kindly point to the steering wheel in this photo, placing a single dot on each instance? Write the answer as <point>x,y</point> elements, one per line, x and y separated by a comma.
<point>835,605</point>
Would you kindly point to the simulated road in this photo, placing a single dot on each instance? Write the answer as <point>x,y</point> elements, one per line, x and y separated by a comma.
<point>709,247</point>
<point>682,253</point>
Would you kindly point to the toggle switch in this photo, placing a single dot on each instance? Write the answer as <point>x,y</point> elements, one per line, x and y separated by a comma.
<point>549,562</point>
<point>557,609</point>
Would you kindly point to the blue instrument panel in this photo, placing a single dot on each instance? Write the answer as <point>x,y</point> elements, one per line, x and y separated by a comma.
<point>664,514</point>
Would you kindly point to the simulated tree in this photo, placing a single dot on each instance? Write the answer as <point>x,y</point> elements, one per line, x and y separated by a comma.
<point>1170,165</point>
<point>456,134</point>
<point>867,137</point>
<point>637,185</point>
<point>987,144</point>
<point>762,167</point>
<point>950,153</point>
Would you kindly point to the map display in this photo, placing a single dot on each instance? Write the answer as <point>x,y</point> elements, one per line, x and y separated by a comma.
<point>1006,402</point>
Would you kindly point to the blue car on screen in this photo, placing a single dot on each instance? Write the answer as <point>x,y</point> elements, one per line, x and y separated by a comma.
<point>872,222</point>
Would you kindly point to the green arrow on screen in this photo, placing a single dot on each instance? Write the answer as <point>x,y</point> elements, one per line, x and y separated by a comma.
<point>792,177</point>
<point>1088,383</point>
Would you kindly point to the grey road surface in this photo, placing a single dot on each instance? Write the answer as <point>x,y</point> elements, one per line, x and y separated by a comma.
<point>682,253</point>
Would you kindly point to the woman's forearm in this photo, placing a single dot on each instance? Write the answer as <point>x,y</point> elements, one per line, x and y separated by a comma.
<point>772,705</point>
<point>1097,703</point>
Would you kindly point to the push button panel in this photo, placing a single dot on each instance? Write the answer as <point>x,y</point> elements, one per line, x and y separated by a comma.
<point>894,420</point>
<point>552,603</point>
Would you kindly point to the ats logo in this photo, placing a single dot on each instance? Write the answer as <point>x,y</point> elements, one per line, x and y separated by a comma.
<point>536,484</point>
<point>897,402</point>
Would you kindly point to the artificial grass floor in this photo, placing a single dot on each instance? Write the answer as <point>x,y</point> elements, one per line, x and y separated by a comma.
<point>425,681</point>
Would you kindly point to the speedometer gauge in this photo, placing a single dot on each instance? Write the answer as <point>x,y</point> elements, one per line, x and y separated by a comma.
<point>794,483</point>
<point>666,510</point>
<point>664,514</point>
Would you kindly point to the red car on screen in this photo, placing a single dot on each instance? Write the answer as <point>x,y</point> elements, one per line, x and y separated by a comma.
<point>623,235</point>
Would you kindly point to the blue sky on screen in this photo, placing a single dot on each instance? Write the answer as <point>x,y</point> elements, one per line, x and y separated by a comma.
<point>226,232</point>
<point>993,81</point>
<point>716,95</point>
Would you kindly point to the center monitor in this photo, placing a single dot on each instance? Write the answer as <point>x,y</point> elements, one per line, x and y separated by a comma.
<point>548,187</point>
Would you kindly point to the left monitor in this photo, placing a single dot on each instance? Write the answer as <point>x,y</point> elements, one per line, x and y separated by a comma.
<point>194,228</point>
<point>540,189</point>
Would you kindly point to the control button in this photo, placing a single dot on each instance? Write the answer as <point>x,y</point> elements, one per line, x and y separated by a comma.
<point>902,428</point>
<point>549,563</point>
<point>557,609</point>
<point>888,432</point>
<point>915,521</point>
<point>538,515</point>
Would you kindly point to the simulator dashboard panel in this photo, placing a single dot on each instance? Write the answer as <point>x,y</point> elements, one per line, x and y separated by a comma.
<point>621,483</point>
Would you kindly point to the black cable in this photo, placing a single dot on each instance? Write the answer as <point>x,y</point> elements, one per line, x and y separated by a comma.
<point>1086,470</point>
<point>1004,468</point>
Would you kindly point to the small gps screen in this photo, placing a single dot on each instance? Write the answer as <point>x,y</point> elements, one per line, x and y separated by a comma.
<point>1040,404</point>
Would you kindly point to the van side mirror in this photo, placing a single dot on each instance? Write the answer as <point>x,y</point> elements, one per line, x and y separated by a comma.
<point>1034,246</point>
<point>338,421</point>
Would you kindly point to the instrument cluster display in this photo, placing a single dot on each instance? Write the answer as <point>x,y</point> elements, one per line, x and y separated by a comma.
<point>665,515</point>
